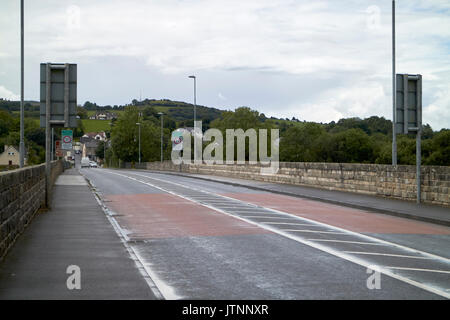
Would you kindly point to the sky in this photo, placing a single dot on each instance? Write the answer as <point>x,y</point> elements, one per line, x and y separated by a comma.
<point>316,60</point>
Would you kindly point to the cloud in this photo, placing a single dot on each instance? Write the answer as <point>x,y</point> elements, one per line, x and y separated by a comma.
<point>8,95</point>
<point>362,100</point>
<point>346,44</point>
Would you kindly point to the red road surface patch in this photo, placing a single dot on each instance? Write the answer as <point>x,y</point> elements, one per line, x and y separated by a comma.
<point>346,218</point>
<point>149,216</point>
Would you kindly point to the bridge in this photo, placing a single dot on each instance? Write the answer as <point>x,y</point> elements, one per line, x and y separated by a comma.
<point>160,231</point>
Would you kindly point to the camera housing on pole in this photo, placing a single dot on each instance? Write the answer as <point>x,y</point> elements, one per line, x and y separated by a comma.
<point>409,114</point>
<point>58,108</point>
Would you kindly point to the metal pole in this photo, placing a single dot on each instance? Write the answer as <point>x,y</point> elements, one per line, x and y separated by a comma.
<point>21,145</point>
<point>162,136</point>
<point>419,139</point>
<point>53,143</point>
<point>394,92</point>
<point>418,163</point>
<point>139,143</point>
<point>195,100</point>
<point>47,136</point>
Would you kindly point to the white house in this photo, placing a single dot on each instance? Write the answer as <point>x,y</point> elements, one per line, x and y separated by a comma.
<point>10,156</point>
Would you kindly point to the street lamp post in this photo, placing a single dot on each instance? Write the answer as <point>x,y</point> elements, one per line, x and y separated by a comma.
<point>162,132</point>
<point>195,99</point>
<point>139,125</point>
<point>104,151</point>
<point>110,133</point>
<point>394,93</point>
<point>22,144</point>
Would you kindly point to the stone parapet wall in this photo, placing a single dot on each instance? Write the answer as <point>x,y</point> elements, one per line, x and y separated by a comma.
<point>22,193</point>
<point>373,179</point>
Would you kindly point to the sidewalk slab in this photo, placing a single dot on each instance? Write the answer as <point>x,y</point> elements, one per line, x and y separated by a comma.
<point>75,231</point>
<point>401,208</point>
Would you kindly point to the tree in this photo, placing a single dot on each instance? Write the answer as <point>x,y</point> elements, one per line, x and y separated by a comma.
<point>82,113</point>
<point>299,143</point>
<point>352,146</point>
<point>100,151</point>
<point>440,145</point>
<point>6,123</point>
<point>125,137</point>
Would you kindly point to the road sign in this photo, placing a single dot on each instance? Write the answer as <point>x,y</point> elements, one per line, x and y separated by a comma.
<point>58,84</point>
<point>59,94</point>
<point>58,151</point>
<point>409,103</point>
<point>67,138</point>
<point>409,115</point>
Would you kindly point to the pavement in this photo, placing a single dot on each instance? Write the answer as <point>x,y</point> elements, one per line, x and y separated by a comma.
<point>74,232</point>
<point>400,208</point>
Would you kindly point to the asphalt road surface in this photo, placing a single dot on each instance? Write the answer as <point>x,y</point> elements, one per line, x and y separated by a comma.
<point>207,240</point>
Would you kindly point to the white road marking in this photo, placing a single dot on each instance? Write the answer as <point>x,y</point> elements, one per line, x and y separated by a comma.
<point>291,223</point>
<point>266,217</point>
<point>345,241</point>
<point>436,290</point>
<point>314,231</point>
<point>387,255</point>
<point>418,269</point>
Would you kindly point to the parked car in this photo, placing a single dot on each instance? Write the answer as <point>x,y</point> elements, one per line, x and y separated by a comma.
<point>85,163</point>
<point>93,164</point>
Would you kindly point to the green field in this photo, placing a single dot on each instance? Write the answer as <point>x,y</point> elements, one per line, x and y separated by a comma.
<point>95,125</point>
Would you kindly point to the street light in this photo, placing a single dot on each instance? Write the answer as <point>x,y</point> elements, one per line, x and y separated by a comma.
<point>21,144</point>
<point>195,99</point>
<point>139,124</point>
<point>110,132</point>
<point>161,114</point>
<point>394,89</point>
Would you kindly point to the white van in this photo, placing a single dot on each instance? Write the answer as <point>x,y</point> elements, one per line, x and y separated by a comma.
<point>85,162</point>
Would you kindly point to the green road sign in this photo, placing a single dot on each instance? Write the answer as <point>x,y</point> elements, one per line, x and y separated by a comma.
<point>67,138</point>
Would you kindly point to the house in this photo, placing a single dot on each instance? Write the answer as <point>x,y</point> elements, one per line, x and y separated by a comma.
<point>93,136</point>
<point>89,149</point>
<point>103,116</point>
<point>10,156</point>
<point>90,143</point>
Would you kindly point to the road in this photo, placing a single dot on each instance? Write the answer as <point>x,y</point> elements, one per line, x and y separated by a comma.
<point>208,240</point>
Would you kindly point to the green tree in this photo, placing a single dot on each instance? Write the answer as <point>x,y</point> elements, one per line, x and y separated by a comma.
<point>125,137</point>
<point>299,143</point>
<point>100,151</point>
<point>352,146</point>
<point>440,146</point>
<point>6,123</point>
<point>82,113</point>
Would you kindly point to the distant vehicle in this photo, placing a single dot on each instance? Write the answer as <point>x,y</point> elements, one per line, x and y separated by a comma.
<point>85,162</point>
<point>93,164</point>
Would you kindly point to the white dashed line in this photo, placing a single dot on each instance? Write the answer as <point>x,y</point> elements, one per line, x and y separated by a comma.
<point>388,255</point>
<point>344,241</point>
<point>417,269</point>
